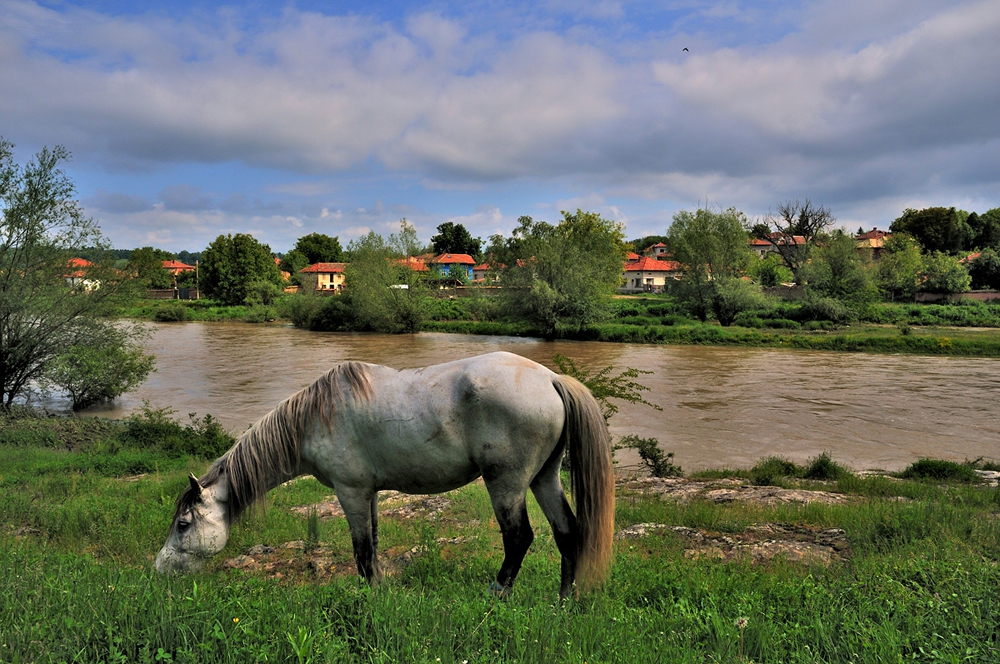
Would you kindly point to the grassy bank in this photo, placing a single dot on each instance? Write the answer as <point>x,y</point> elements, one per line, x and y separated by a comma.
<point>916,583</point>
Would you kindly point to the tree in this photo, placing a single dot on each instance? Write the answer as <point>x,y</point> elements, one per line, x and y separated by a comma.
<point>292,262</point>
<point>936,228</point>
<point>455,239</point>
<point>42,316</point>
<point>732,296</point>
<point>770,271</point>
<point>794,231</point>
<point>383,294</point>
<point>943,273</point>
<point>897,273</point>
<point>986,229</point>
<point>709,246</point>
<point>985,270</point>
<point>564,273</point>
<point>103,369</point>
<point>318,248</point>
<point>840,271</point>
<point>232,264</point>
<point>405,242</point>
<point>147,266</point>
<point>645,242</point>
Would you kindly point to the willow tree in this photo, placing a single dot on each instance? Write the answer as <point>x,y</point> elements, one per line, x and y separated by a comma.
<point>563,273</point>
<point>52,304</point>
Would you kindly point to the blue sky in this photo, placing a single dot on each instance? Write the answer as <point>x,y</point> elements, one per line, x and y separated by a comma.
<point>191,119</point>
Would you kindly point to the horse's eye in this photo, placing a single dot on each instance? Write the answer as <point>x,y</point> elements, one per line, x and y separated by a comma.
<point>182,525</point>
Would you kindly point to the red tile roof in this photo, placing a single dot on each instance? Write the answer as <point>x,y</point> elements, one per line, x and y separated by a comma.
<point>632,256</point>
<point>873,234</point>
<point>452,259</point>
<point>176,265</point>
<point>647,264</point>
<point>416,264</point>
<point>324,268</point>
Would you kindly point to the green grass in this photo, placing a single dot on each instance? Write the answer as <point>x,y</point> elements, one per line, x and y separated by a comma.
<point>77,540</point>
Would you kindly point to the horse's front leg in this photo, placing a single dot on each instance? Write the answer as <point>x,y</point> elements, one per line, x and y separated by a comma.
<point>360,507</point>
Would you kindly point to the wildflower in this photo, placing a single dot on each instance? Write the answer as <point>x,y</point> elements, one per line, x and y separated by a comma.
<point>742,622</point>
<point>235,620</point>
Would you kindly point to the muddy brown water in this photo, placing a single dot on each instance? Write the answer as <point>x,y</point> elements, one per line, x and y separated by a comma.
<point>722,407</point>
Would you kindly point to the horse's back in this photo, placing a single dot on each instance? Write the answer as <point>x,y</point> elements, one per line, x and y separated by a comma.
<point>436,428</point>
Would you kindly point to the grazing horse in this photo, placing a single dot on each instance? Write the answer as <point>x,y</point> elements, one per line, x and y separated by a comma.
<point>363,428</point>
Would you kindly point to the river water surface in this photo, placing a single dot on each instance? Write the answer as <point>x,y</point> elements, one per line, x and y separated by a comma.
<point>721,406</point>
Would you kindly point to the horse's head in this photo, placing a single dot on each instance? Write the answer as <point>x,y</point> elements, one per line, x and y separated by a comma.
<point>200,527</point>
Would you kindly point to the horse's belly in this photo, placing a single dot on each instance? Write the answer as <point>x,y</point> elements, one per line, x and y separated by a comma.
<point>427,471</point>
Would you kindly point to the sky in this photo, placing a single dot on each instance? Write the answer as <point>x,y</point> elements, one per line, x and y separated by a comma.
<point>191,119</point>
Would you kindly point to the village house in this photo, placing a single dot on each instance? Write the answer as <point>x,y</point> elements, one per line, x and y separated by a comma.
<point>415,263</point>
<point>658,251</point>
<point>323,277</point>
<point>458,266</point>
<point>873,240</point>
<point>649,275</point>
<point>176,267</point>
<point>76,274</point>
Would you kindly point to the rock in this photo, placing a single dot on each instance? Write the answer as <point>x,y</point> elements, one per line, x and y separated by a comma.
<point>298,545</point>
<point>639,530</point>
<point>260,550</point>
<point>240,562</point>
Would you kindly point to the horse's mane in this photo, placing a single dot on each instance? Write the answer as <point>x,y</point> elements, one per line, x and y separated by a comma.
<point>275,440</point>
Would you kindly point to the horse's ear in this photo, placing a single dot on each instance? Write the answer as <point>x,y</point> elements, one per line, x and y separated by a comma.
<point>195,485</point>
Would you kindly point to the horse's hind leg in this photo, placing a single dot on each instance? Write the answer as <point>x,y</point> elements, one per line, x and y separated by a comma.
<point>512,516</point>
<point>358,507</point>
<point>549,494</point>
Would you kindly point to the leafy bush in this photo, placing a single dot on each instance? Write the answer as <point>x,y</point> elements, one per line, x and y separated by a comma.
<point>824,468</point>
<point>772,468</point>
<point>260,314</point>
<point>169,312</point>
<point>733,296</point>
<point>658,463</point>
<point>300,309</point>
<point>829,309</point>
<point>940,470</point>
<point>155,428</point>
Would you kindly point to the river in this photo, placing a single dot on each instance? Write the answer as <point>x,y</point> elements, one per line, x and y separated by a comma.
<point>721,406</point>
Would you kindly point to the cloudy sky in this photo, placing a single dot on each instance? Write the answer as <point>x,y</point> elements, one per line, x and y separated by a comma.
<point>187,120</point>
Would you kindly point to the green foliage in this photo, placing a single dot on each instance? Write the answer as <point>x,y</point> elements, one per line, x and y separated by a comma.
<point>944,273</point>
<point>146,264</point>
<point>567,273</point>
<point>837,270</point>
<point>233,264</point>
<point>455,239</point>
<point>260,313</point>
<point>710,246</point>
<point>984,270</point>
<point>262,292</point>
<point>171,311</point>
<point>770,271</point>
<point>733,296</point>
<point>897,272</point>
<point>315,248</point>
<point>384,295</point>
<point>643,243</point>
<point>42,315</point>
<point>604,385</point>
<point>823,467</point>
<point>293,261</point>
<point>771,469</point>
<point>986,229</point>
<point>657,463</point>
<point>301,307</point>
<point>104,369</point>
<point>156,429</point>
<point>937,229</point>
<point>940,470</point>
<point>794,231</point>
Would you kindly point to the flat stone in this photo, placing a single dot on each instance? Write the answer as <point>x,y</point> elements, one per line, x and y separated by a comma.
<point>260,550</point>
<point>240,562</point>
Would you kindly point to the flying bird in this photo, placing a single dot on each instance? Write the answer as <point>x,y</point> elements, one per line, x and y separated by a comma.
<point>686,50</point>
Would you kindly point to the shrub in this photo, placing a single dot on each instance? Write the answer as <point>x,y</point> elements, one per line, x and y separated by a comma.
<point>940,470</point>
<point>829,309</point>
<point>300,309</point>
<point>260,314</point>
<point>772,468</point>
<point>171,312</point>
<point>658,463</point>
<point>824,468</point>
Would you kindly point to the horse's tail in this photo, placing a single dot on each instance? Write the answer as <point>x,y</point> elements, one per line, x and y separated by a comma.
<point>592,479</point>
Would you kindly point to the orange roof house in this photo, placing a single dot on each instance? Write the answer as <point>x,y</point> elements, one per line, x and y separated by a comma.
<point>649,274</point>
<point>76,274</point>
<point>323,277</point>
<point>416,264</point>
<point>176,267</point>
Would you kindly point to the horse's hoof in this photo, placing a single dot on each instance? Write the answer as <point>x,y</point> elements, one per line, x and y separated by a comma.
<point>497,590</point>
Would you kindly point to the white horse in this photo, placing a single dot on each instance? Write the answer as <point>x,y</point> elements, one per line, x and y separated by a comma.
<point>363,428</point>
